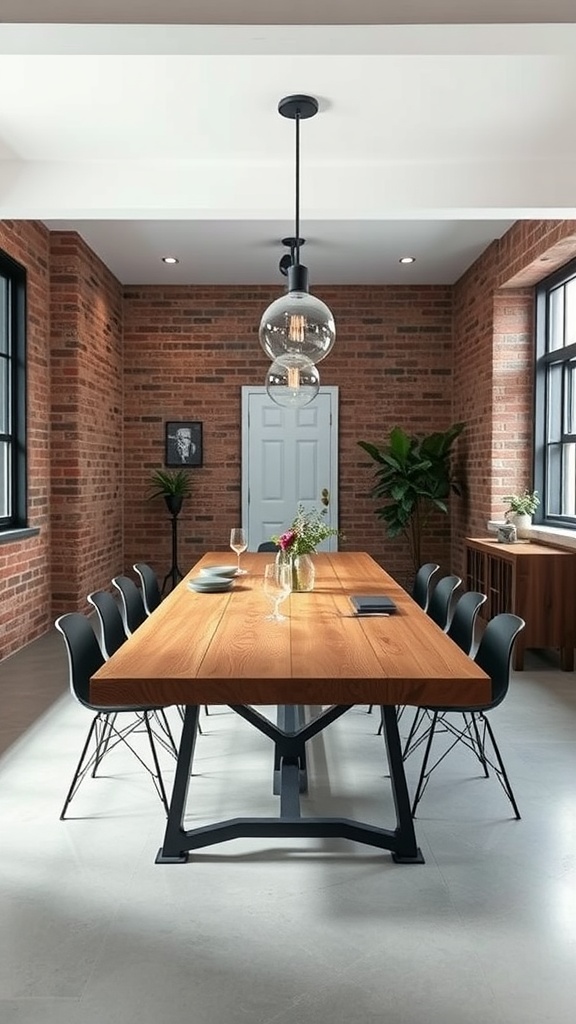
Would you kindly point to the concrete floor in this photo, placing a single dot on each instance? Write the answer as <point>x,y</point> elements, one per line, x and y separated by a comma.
<point>290,932</point>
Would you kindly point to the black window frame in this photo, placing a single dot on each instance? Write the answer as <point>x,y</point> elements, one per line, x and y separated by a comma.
<point>16,351</point>
<point>549,477</point>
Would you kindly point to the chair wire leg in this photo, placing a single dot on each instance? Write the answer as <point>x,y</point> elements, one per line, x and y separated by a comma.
<point>481,753</point>
<point>165,737</point>
<point>411,743</point>
<point>501,771</point>
<point>104,730</point>
<point>74,785</point>
<point>158,779</point>
<point>423,779</point>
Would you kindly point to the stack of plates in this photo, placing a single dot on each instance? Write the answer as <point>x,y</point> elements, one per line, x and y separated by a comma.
<point>210,584</point>
<point>219,570</point>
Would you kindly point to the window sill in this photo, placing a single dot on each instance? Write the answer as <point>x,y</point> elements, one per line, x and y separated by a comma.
<point>554,535</point>
<point>18,534</point>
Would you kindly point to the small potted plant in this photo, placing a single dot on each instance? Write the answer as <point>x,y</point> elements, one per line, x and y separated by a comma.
<point>173,486</point>
<point>521,508</point>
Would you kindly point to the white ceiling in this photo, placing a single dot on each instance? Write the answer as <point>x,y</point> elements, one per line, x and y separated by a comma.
<point>153,139</point>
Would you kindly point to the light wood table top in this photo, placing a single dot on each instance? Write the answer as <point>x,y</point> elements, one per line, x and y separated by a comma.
<point>219,649</point>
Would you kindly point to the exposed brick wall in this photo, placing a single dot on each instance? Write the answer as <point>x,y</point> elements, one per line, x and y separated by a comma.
<point>86,416</point>
<point>189,350</point>
<point>421,357</point>
<point>25,565</point>
<point>493,368</point>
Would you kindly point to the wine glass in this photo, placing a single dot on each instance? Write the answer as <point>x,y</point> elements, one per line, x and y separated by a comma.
<point>276,584</point>
<point>238,543</point>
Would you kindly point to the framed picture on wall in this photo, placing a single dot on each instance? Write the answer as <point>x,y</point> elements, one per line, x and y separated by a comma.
<point>184,443</point>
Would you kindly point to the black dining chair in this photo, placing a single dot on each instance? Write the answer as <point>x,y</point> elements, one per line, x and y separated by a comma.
<point>463,624</point>
<point>422,582</point>
<point>268,545</point>
<point>470,725</point>
<point>150,589</point>
<point>421,594</point>
<point>112,632</point>
<point>85,657</point>
<point>112,636</point>
<point>462,632</point>
<point>132,603</point>
<point>441,600</point>
<point>439,611</point>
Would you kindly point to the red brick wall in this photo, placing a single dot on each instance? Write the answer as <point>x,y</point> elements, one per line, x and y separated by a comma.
<point>189,350</point>
<point>87,428</point>
<point>25,565</point>
<point>493,368</point>
<point>420,357</point>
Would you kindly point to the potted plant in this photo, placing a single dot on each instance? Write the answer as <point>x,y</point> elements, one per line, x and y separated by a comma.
<point>173,486</point>
<point>521,508</point>
<point>414,477</point>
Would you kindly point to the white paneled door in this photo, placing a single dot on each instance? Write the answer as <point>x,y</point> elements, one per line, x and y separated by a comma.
<point>288,456</point>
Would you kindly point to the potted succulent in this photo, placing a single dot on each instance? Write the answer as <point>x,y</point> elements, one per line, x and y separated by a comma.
<point>173,486</point>
<point>521,508</point>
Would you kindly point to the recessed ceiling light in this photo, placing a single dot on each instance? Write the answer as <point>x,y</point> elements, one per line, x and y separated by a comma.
<point>407,259</point>
<point>170,259</point>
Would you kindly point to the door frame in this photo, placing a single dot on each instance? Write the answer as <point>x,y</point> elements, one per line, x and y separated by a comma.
<point>329,389</point>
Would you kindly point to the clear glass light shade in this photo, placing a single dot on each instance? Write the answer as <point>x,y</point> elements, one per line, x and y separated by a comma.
<point>298,323</point>
<point>292,381</point>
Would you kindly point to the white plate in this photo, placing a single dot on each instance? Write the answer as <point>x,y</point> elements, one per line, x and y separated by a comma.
<point>218,570</point>
<point>205,585</point>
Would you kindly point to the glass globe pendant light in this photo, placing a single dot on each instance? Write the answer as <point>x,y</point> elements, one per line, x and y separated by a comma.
<point>292,381</point>
<point>297,323</point>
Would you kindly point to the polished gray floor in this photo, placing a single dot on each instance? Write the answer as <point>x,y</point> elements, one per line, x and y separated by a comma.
<point>307,932</point>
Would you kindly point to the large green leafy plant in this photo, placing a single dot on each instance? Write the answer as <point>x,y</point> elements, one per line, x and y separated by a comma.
<point>414,478</point>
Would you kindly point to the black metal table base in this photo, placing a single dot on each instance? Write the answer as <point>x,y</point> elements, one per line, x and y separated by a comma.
<point>290,736</point>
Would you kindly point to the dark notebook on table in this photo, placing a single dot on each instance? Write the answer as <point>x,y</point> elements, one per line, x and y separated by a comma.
<point>373,604</point>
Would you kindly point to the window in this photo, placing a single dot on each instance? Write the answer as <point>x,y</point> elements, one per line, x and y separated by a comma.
<point>555,397</point>
<point>12,394</point>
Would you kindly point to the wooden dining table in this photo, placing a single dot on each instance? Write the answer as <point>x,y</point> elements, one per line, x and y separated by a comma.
<point>220,649</point>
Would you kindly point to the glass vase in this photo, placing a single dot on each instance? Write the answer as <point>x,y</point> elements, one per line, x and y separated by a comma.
<point>301,570</point>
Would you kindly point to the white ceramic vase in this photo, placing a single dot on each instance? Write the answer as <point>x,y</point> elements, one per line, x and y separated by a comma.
<point>522,522</point>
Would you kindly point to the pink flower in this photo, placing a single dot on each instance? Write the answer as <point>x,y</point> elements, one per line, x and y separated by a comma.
<point>287,539</point>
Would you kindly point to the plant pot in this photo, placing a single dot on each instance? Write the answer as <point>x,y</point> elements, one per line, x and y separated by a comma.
<point>173,503</point>
<point>302,570</point>
<point>522,522</point>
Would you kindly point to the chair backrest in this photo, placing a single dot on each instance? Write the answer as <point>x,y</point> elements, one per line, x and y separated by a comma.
<point>150,590</point>
<point>133,610</point>
<point>84,654</point>
<point>494,652</point>
<point>112,630</point>
<point>441,600</point>
<point>421,585</point>
<point>461,629</point>
<point>268,545</point>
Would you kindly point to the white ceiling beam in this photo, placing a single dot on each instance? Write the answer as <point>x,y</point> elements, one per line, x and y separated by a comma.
<point>161,189</point>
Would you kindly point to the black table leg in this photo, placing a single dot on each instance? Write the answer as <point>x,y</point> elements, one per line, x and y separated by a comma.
<point>175,846</point>
<point>289,746</point>
<point>406,851</point>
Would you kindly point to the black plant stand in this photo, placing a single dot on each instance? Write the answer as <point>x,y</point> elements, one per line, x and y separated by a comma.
<point>174,506</point>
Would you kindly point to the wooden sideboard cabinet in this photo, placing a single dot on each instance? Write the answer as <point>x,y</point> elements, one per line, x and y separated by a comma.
<point>534,581</point>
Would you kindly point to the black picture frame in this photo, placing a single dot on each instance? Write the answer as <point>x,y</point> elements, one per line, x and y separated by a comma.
<point>184,443</point>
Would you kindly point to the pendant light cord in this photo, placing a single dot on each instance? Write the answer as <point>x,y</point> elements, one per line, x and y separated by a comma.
<point>297,119</point>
